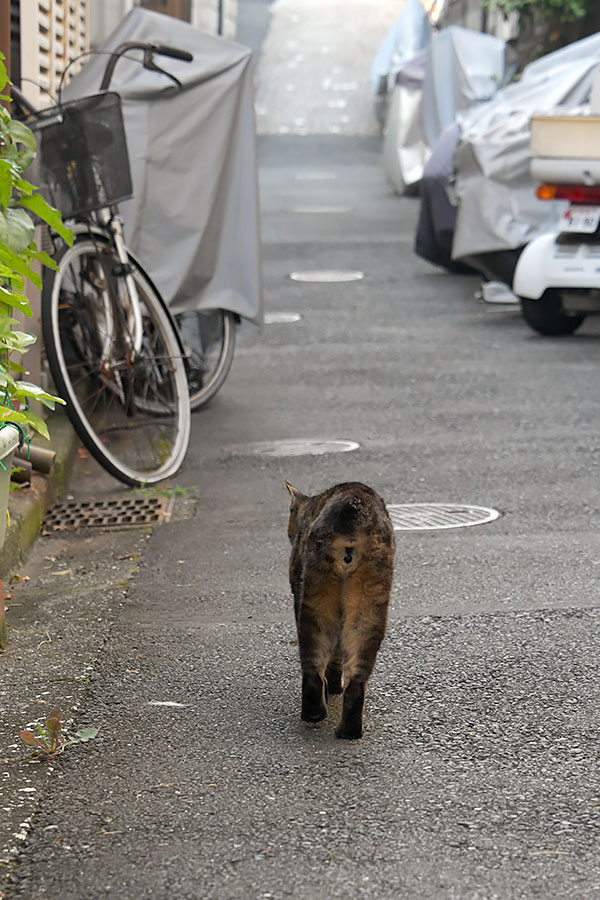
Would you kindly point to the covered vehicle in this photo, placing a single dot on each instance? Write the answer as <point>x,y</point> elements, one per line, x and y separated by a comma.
<point>478,184</point>
<point>459,68</point>
<point>405,147</point>
<point>410,33</point>
<point>194,217</point>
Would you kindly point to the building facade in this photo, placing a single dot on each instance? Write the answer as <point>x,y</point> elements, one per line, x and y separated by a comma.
<point>48,35</point>
<point>211,16</point>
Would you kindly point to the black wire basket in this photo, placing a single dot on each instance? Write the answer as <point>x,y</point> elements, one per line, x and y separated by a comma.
<point>83,154</point>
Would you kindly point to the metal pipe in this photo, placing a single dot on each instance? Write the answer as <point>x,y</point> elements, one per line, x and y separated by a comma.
<point>41,459</point>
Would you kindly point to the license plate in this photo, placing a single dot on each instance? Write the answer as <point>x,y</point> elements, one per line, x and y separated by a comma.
<point>583,219</point>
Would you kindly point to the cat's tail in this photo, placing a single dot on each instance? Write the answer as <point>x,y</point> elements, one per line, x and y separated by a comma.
<point>343,525</point>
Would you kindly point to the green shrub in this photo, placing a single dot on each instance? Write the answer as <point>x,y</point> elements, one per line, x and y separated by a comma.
<point>18,198</point>
<point>566,10</point>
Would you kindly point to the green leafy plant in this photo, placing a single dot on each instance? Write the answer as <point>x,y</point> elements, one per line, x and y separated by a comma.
<point>566,10</point>
<point>18,253</point>
<point>15,485</point>
<point>48,739</point>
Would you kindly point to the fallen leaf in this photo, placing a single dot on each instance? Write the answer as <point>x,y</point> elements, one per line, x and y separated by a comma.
<point>63,572</point>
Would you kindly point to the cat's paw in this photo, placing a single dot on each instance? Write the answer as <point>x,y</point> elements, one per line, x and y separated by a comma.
<point>349,732</point>
<point>313,715</point>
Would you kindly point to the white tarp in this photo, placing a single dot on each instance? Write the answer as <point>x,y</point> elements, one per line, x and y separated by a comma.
<point>194,219</point>
<point>460,68</point>
<point>405,148</point>
<point>464,67</point>
<point>410,33</point>
<point>497,206</point>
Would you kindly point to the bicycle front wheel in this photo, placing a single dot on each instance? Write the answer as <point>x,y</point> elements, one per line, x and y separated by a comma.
<point>125,388</point>
<point>209,337</point>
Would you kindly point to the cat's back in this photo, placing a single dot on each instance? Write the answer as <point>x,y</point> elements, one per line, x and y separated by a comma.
<point>345,524</point>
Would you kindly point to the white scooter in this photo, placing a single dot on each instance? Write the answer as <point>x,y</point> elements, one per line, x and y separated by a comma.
<point>557,277</point>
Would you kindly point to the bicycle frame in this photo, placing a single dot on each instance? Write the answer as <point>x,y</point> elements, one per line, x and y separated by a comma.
<point>108,221</point>
<point>112,222</point>
<point>100,231</point>
<point>113,347</point>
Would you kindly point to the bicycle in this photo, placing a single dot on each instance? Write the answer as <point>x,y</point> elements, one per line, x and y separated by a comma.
<point>113,348</point>
<point>209,336</point>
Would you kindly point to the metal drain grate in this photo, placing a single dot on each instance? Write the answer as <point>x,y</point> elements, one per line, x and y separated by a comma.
<point>431,516</point>
<point>126,512</point>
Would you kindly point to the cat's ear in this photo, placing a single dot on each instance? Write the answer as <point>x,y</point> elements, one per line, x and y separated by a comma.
<point>296,495</point>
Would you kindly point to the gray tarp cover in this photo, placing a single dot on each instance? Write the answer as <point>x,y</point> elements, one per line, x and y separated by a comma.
<point>410,33</point>
<point>459,68</point>
<point>405,148</point>
<point>194,219</point>
<point>464,67</point>
<point>497,207</point>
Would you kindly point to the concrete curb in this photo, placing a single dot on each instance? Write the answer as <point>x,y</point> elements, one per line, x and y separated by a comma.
<point>28,506</point>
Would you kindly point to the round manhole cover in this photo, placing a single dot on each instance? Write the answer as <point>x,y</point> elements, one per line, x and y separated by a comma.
<point>321,209</point>
<point>327,275</point>
<point>293,448</point>
<point>281,318</point>
<point>431,516</point>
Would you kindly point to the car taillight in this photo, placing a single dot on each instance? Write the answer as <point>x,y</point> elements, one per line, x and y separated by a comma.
<point>575,193</point>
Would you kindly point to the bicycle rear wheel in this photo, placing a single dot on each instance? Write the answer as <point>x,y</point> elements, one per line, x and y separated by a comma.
<point>130,408</point>
<point>209,336</point>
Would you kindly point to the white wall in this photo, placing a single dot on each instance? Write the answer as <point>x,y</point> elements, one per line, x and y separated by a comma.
<point>105,15</point>
<point>205,16</point>
<point>52,34</point>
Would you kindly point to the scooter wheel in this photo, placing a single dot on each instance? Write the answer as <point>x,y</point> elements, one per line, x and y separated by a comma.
<point>547,315</point>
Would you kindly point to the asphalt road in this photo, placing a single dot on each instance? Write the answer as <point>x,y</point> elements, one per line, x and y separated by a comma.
<point>477,777</point>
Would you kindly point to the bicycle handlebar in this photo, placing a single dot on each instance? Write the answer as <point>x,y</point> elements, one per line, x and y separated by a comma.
<point>150,50</point>
<point>163,50</point>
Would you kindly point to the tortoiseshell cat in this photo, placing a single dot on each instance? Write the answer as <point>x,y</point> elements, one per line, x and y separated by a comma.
<point>341,569</point>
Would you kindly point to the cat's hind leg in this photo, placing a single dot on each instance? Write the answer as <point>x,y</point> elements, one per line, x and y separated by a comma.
<point>318,634</point>
<point>333,673</point>
<point>365,606</point>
